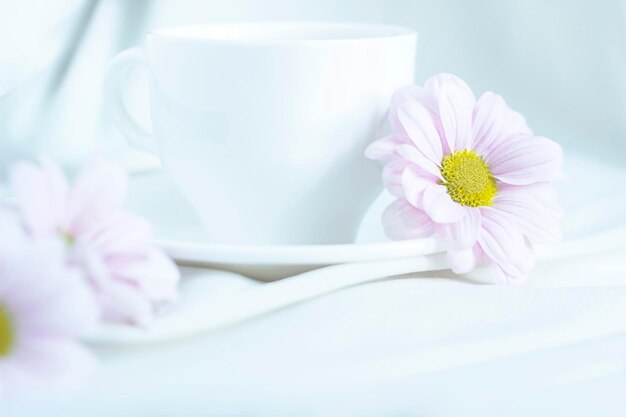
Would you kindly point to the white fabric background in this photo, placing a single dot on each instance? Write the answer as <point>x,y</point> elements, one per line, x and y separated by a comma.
<point>408,347</point>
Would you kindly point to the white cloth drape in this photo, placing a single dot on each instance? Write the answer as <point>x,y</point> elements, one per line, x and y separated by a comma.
<point>405,347</point>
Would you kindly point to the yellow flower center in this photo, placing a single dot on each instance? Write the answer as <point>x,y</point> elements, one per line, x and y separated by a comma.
<point>68,238</point>
<point>7,334</point>
<point>468,179</point>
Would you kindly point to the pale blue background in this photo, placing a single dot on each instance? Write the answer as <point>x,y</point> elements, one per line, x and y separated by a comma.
<point>561,63</point>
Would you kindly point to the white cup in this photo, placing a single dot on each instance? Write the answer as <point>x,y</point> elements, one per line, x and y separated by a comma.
<point>263,126</point>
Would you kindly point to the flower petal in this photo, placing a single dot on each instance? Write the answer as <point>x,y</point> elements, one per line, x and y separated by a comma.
<point>120,233</point>
<point>155,274</point>
<point>420,128</point>
<point>403,221</point>
<point>501,242</point>
<point>494,122</point>
<point>533,209</point>
<point>119,300</point>
<point>392,176</point>
<point>456,105</point>
<point>414,182</point>
<point>45,359</point>
<point>33,198</point>
<point>122,303</point>
<point>58,186</point>
<point>60,304</point>
<point>410,153</point>
<point>99,190</point>
<point>440,207</point>
<point>526,160</point>
<point>385,149</point>
<point>464,260</point>
<point>409,93</point>
<point>15,240</point>
<point>501,277</point>
<point>66,308</point>
<point>463,233</point>
<point>433,84</point>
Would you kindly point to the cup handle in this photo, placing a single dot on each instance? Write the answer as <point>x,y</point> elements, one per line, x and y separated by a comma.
<point>114,81</point>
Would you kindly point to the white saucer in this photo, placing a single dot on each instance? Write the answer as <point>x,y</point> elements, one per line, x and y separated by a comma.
<point>594,214</point>
<point>179,231</point>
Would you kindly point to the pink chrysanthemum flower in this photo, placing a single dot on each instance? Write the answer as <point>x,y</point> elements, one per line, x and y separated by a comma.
<point>44,307</point>
<point>471,173</point>
<point>127,273</point>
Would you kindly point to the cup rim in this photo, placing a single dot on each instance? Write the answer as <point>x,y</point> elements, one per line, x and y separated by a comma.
<point>239,32</point>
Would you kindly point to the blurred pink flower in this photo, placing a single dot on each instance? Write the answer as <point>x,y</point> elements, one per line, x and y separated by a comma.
<point>44,306</point>
<point>471,173</point>
<point>127,273</point>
